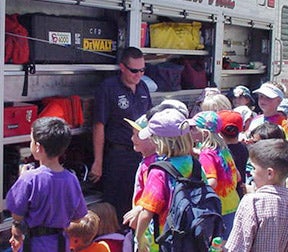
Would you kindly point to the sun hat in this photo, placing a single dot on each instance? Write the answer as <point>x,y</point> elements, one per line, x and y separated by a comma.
<point>230,118</point>
<point>139,124</point>
<point>242,91</point>
<point>167,123</point>
<point>270,91</point>
<point>208,120</point>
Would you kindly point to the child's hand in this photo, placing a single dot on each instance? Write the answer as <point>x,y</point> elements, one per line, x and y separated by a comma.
<point>131,217</point>
<point>25,167</point>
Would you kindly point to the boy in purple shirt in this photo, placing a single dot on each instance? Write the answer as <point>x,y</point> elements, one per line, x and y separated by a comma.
<point>45,200</point>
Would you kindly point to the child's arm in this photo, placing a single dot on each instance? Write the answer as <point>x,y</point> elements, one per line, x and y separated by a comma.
<point>144,219</point>
<point>131,217</point>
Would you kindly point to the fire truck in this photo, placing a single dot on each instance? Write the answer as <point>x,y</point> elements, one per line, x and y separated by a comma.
<point>240,42</point>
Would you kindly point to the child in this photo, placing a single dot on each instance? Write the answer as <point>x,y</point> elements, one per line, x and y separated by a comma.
<point>173,140</point>
<point>216,103</point>
<point>262,218</point>
<point>266,130</point>
<point>45,200</point>
<point>205,92</point>
<point>148,150</point>
<point>16,238</point>
<point>242,96</point>
<point>247,116</point>
<point>109,228</point>
<point>232,125</point>
<point>218,164</point>
<point>270,95</point>
<point>82,233</point>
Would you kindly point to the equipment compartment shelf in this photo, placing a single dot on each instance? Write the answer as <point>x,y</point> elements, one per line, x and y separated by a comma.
<point>173,51</point>
<point>242,71</point>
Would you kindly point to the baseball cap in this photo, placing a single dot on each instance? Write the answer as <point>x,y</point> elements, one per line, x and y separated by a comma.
<point>245,111</point>
<point>167,123</point>
<point>242,91</point>
<point>230,118</point>
<point>208,120</point>
<point>177,105</point>
<point>270,91</point>
<point>206,92</point>
<point>139,124</point>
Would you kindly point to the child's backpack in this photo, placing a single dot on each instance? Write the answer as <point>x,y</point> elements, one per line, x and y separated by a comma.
<point>194,218</point>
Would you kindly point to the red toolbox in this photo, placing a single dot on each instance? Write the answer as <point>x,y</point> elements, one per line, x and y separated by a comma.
<point>18,118</point>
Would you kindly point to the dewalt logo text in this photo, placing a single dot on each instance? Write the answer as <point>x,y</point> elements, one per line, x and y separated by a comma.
<point>104,45</point>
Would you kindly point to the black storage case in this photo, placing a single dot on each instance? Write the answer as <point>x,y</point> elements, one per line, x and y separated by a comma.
<point>70,39</point>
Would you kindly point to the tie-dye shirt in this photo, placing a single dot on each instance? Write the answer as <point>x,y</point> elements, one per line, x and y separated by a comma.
<point>219,164</point>
<point>278,119</point>
<point>157,193</point>
<point>141,177</point>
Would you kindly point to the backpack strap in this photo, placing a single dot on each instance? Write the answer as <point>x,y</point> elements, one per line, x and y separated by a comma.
<point>197,169</point>
<point>170,169</point>
<point>166,166</point>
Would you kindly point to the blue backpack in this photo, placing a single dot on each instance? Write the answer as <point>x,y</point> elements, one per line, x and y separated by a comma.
<point>194,217</point>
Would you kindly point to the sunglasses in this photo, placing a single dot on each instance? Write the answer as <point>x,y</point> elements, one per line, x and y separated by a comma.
<point>135,70</point>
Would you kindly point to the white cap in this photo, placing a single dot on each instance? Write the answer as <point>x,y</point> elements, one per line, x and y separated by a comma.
<point>245,112</point>
<point>270,91</point>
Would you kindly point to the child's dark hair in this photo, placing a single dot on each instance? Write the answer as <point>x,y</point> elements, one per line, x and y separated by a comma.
<point>271,153</point>
<point>230,131</point>
<point>268,130</point>
<point>130,52</point>
<point>53,134</point>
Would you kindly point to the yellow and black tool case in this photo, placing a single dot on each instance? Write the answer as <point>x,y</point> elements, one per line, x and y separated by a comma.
<point>67,39</point>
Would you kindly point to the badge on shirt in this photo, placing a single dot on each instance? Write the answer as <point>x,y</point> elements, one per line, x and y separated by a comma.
<point>123,102</point>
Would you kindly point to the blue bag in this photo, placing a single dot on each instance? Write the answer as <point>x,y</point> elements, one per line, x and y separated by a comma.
<point>194,218</point>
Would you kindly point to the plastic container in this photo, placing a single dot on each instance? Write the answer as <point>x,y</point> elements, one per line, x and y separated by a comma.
<point>216,245</point>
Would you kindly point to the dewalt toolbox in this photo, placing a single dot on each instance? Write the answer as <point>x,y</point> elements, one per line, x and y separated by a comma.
<point>66,39</point>
<point>18,118</point>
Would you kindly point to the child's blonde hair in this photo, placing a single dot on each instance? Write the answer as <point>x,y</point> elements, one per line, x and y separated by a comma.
<point>86,229</point>
<point>173,146</point>
<point>108,217</point>
<point>211,140</point>
<point>216,103</point>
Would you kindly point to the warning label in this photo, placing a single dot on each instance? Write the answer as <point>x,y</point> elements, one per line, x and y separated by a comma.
<point>60,38</point>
